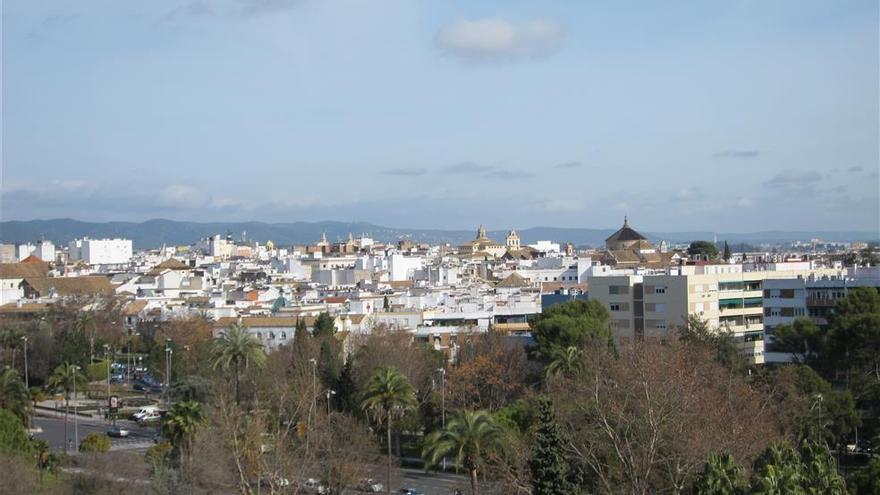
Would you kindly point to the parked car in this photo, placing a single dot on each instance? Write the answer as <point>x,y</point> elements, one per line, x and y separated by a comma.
<point>151,418</point>
<point>140,413</point>
<point>409,491</point>
<point>117,432</point>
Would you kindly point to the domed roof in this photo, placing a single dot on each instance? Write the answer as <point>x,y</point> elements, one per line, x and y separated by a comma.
<point>625,233</point>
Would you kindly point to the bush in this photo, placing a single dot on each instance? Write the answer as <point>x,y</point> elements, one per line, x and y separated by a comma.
<point>94,442</point>
<point>158,454</point>
<point>13,437</point>
<point>97,371</point>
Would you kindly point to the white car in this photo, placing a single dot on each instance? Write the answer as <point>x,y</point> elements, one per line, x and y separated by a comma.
<point>117,432</point>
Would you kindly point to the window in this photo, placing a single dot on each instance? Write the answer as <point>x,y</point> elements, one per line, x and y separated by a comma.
<point>615,307</point>
<point>698,288</point>
<point>660,290</point>
<point>660,307</point>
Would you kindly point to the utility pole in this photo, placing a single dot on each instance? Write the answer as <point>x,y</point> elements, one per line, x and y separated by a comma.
<point>314,398</point>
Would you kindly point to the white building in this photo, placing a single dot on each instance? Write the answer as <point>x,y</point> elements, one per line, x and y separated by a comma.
<point>100,251</point>
<point>45,251</point>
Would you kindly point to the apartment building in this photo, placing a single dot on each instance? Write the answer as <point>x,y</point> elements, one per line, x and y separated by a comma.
<point>648,305</point>
<point>814,296</point>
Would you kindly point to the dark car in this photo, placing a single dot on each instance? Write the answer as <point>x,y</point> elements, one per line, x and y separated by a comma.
<point>117,432</point>
<point>409,491</point>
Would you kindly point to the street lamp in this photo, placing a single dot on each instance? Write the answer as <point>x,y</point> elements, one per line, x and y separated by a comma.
<point>75,414</point>
<point>442,372</point>
<point>168,352</point>
<point>27,387</point>
<point>329,393</point>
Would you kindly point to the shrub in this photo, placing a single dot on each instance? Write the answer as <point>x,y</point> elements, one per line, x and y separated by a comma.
<point>94,442</point>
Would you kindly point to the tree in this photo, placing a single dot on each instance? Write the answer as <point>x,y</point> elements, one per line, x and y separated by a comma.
<point>778,471</point>
<point>346,390</point>
<point>237,349</point>
<point>566,362</point>
<point>696,331</point>
<point>703,249</point>
<point>549,466</point>
<point>726,254</point>
<point>571,324</point>
<point>179,425</point>
<point>65,378</point>
<point>469,437</point>
<point>720,476</point>
<point>14,397</point>
<point>94,443</point>
<point>802,339</point>
<point>492,371</point>
<point>387,395</point>
<point>324,325</point>
<point>855,333</point>
<point>13,437</point>
<point>864,480</point>
<point>820,476</point>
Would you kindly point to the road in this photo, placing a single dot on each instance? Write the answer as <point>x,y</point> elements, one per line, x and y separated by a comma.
<point>53,432</point>
<point>434,483</point>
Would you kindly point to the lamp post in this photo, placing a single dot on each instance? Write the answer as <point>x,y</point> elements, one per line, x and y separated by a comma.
<point>75,414</point>
<point>107,356</point>
<point>329,393</point>
<point>314,400</point>
<point>442,372</point>
<point>168,352</point>
<point>27,386</point>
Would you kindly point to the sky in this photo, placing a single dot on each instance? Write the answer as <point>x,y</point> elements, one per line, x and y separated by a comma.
<point>729,116</point>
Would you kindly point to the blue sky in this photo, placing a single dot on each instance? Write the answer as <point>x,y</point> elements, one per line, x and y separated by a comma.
<point>725,116</point>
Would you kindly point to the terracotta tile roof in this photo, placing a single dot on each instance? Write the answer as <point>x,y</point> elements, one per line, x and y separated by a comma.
<point>335,300</point>
<point>513,281</point>
<point>25,308</point>
<point>134,307</point>
<point>68,286</point>
<point>169,264</point>
<point>23,270</point>
<point>264,321</point>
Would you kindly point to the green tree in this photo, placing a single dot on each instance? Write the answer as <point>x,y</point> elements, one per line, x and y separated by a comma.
<point>179,425</point>
<point>14,397</point>
<point>864,481</point>
<point>236,350</point>
<point>388,395</point>
<point>13,437</point>
<point>94,443</point>
<point>346,389</point>
<point>778,471</point>
<point>703,249</point>
<point>566,362</point>
<point>324,325</point>
<point>551,471</point>
<point>855,334</point>
<point>469,437</point>
<point>571,324</point>
<point>802,339</point>
<point>820,476</point>
<point>65,378</point>
<point>721,475</point>
<point>726,254</point>
<point>832,415</point>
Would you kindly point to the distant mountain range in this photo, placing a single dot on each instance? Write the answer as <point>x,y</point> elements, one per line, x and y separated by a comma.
<point>155,233</point>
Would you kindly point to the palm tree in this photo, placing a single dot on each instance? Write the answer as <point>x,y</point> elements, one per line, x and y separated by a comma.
<point>777,471</point>
<point>469,437</point>
<point>820,471</point>
<point>14,396</point>
<point>720,476</point>
<point>65,378</point>
<point>565,361</point>
<point>388,394</point>
<point>10,338</point>
<point>180,423</point>
<point>236,349</point>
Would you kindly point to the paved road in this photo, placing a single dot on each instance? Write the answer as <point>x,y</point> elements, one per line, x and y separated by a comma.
<point>434,483</point>
<point>53,432</point>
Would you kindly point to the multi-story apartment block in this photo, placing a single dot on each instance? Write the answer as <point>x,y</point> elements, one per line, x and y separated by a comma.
<point>647,306</point>
<point>814,296</point>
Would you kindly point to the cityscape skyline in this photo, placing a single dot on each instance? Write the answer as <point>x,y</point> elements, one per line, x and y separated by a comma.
<point>738,117</point>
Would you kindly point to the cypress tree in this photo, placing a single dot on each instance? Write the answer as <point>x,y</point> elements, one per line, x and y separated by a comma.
<point>550,469</point>
<point>726,254</point>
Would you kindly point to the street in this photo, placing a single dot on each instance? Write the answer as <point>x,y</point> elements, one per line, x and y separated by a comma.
<point>53,432</point>
<point>433,483</point>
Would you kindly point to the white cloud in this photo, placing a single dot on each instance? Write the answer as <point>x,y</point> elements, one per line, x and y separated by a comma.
<point>183,196</point>
<point>497,39</point>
